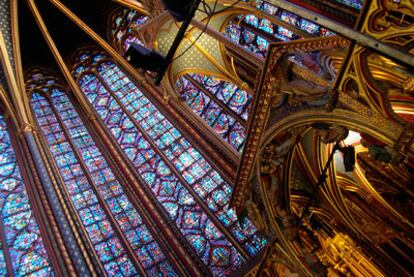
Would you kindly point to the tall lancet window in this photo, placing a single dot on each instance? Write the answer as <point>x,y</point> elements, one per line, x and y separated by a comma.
<point>222,105</point>
<point>22,252</point>
<point>125,28</point>
<point>117,232</point>
<point>191,194</point>
<point>255,33</point>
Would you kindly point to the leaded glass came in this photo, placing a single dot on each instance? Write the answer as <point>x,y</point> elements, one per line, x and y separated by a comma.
<point>124,28</point>
<point>222,105</point>
<point>255,33</point>
<point>107,214</point>
<point>22,242</point>
<point>193,196</point>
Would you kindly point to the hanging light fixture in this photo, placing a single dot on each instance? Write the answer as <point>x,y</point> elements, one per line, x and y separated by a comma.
<point>179,9</point>
<point>141,57</point>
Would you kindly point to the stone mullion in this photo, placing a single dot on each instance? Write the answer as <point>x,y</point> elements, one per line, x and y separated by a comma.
<point>217,101</point>
<point>71,238</point>
<point>69,210</point>
<point>5,249</point>
<point>194,124</point>
<point>177,174</point>
<point>154,208</point>
<point>220,159</point>
<point>108,213</point>
<point>60,266</point>
<point>269,37</point>
<point>151,219</point>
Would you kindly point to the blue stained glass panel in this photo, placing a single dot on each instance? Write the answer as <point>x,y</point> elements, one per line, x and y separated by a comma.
<point>252,20</point>
<point>124,25</point>
<point>284,33</point>
<point>266,26</point>
<point>357,4</point>
<point>233,32</point>
<point>172,195</point>
<point>289,18</point>
<point>209,111</point>
<point>248,37</point>
<point>266,7</point>
<point>175,198</point>
<point>85,198</point>
<point>235,98</point>
<point>309,27</point>
<point>22,235</point>
<point>200,169</point>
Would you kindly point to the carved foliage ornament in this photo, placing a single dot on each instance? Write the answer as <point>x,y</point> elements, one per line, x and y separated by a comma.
<point>263,101</point>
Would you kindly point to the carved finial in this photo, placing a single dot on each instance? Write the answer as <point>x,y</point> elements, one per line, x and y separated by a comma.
<point>27,128</point>
<point>244,86</point>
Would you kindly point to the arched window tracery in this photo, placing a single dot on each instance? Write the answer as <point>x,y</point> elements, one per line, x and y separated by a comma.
<point>222,105</point>
<point>22,252</point>
<point>255,33</point>
<point>193,196</point>
<point>124,28</point>
<point>119,235</point>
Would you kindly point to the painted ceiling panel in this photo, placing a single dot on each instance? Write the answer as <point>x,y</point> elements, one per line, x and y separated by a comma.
<point>5,27</point>
<point>193,58</point>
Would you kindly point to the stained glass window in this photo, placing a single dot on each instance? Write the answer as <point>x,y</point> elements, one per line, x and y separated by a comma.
<point>357,4</point>
<point>125,24</point>
<point>289,17</point>
<point>191,193</point>
<point>247,39</point>
<point>95,192</point>
<point>20,239</point>
<point>222,105</point>
<point>245,29</point>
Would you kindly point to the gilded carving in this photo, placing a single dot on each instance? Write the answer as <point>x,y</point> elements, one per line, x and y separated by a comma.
<point>294,84</point>
<point>330,133</point>
<point>264,98</point>
<point>28,128</point>
<point>392,14</point>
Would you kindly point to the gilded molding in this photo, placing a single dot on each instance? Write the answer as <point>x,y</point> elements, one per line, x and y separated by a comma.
<point>27,128</point>
<point>392,128</point>
<point>262,105</point>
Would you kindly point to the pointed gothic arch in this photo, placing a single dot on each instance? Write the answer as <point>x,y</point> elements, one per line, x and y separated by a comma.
<point>22,248</point>
<point>264,23</point>
<point>110,217</point>
<point>190,193</point>
<point>124,28</point>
